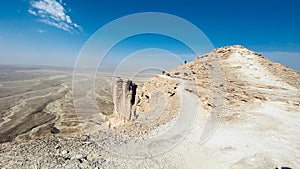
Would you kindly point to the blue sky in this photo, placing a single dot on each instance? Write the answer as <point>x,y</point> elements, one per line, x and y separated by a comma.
<point>33,33</point>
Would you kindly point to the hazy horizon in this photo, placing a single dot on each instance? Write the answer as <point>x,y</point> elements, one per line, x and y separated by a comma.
<point>289,59</point>
<point>53,32</point>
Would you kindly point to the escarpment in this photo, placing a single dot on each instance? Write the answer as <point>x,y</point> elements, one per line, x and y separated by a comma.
<point>142,108</point>
<point>124,98</point>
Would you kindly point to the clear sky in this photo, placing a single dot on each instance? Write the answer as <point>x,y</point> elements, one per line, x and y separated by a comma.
<point>52,32</point>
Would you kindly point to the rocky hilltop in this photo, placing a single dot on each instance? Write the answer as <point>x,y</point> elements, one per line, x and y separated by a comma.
<point>256,103</point>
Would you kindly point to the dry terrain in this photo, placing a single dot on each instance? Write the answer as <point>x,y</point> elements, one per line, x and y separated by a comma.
<point>231,108</point>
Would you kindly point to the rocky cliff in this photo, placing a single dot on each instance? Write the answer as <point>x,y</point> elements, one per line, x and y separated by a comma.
<point>258,128</point>
<point>124,98</point>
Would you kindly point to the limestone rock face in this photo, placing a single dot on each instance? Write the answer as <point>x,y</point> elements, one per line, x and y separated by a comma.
<point>140,109</point>
<point>152,104</point>
<point>124,98</point>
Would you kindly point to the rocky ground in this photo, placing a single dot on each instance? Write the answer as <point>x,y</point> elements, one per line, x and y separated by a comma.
<point>247,107</point>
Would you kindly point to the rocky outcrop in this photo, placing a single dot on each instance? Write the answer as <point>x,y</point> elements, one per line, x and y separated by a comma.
<point>124,98</point>
<point>140,109</point>
<point>258,127</point>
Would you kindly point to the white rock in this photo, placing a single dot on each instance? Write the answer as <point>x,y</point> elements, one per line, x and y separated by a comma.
<point>64,152</point>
